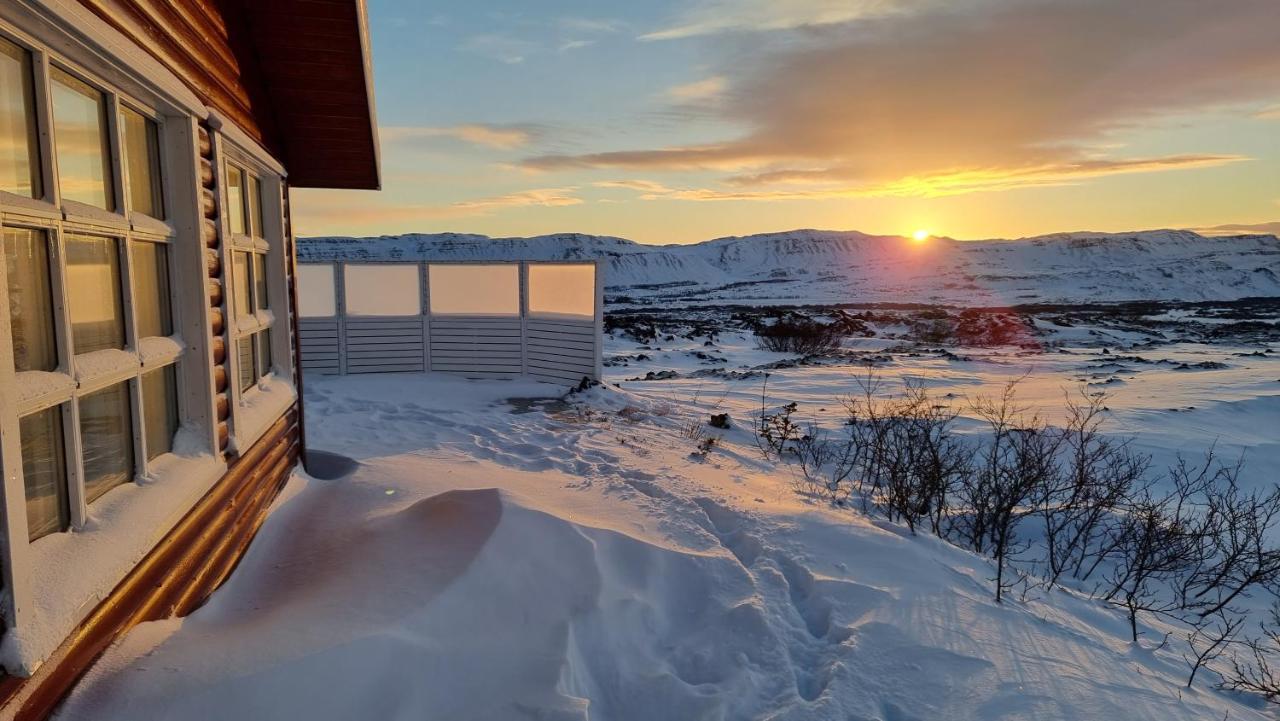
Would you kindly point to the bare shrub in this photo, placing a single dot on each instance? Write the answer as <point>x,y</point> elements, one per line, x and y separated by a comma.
<point>801,335</point>
<point>1257,668</point>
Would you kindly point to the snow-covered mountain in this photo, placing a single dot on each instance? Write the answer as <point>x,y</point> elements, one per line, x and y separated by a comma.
<point>848,266</point>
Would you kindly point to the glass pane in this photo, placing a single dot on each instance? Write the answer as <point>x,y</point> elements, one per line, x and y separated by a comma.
<point>19,159</point>
<point>44,473</point>
<point>382,290</point>
<point>263,342</point>
<point>248,369</point>
<point>93,294</point>
<point>316,295</point>
<point>235,199</point>
<point>562,290</point>
<point>475,289</point>
<point>242,290</point>
<point>142,162</point>
<point>261,301</point>
<point>106,437</point>
<point>26,259</point>
<point>80,139</point>
<point>151,305</point>
<point>255,206</point>
<point>160,409</point>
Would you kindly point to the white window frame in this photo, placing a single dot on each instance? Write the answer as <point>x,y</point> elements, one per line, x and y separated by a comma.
<point>58,219</point>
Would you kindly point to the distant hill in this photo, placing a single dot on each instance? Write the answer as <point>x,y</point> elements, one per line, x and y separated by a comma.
<point>803,266</point>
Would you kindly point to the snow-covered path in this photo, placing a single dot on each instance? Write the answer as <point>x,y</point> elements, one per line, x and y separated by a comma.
<point>548,560</point>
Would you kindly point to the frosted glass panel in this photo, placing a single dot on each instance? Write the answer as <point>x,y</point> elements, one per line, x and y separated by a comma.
<point>26,255</point>
<point>475,289</point>
<point>316,296</point>
<point>382,290</point>
<point>93,292</point>
<point>19,168</point>
<point>562,290</point>
<point>106,438</point>
<point>44,472</point>
<point>80,139</point>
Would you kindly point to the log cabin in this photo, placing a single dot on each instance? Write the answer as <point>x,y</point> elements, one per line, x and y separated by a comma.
<point>149,376</point>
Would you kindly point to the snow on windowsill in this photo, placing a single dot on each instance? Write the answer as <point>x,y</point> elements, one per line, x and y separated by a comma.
<point>33,385</point>
<point>76,570</point>
<point>105,364</point>
<point>158,351</point>
<point>261,406</point>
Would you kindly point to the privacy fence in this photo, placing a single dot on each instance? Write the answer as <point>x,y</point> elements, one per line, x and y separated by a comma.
<point>479,319</point>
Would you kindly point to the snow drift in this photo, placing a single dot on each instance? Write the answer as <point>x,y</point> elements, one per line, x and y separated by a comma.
<point>814,266</point>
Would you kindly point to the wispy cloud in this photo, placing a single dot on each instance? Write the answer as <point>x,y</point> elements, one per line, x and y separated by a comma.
<point>716,16</point>
<point>699,90</point>
<point>929,99</point>
<point>546,197</point>
<point>503,48</point>
<point>1240,229</point>
<point>498,137</point>
<point>575,45</point>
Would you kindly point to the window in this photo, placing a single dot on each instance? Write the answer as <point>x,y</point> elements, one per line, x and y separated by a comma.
<point>80,141</point>
<point>474,289</point>
<point>19,154</point>
<point>562,290</point>
<point>316,295</point>
<point>44,473</point>
<point>106,440</point>
<point>382,290</point>
<point>160,410</point>
<point>142,162</point>
<point>151,289</point>
<point>251,289</point>
<point>26,256</point>
<point>93,294</point>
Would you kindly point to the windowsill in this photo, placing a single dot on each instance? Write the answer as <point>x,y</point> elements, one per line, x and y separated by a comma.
<point>85,214</point>
<point>260,406</point>
<point>30,207</point>
<point>78,569</point>
<point>159,351</point>
<point>146,224</point>
<point>259,320</point>
<point>39,389</point>
<point>102,368</point>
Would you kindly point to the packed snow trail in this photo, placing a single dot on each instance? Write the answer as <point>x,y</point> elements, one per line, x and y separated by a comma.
<point>552,560</point>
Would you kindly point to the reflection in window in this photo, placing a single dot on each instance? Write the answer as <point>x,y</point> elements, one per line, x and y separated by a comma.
<point>260,300</point>
<point>151,289</point>
<point>19,159</point>
<point>262,351</point>
<point>80,139</point>
<point>474,289</point>
<point>248,370</point>
<point>160,410</point>
<point>255,206</point>
<point>142,163</point>
<point>242,291</point>
<point>235,199</point>
<point>564,290</point>
<point>316,294</point>
<point>106,440</point>
<point>44,472</point>
<point>382,290</point>
<point>26,256</point>
<point>93,294</point>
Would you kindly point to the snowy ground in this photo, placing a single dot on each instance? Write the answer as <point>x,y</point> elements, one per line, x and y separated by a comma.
<point>494,558</point>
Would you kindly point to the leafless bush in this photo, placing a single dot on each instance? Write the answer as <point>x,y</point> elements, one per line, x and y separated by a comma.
<point>1255,669</point>
<point>803,336</point>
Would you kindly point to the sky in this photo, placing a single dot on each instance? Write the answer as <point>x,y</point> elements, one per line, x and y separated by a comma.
<point>674,121</point>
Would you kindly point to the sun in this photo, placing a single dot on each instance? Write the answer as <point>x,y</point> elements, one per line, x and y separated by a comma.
<point>921,236</point>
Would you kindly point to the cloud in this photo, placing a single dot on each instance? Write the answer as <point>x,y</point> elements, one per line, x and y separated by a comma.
<point>546,197</point>
<point>591,25</point>
<point>1240,229</point>
<point>1270,113</point>
<point>646,186</point>
<point>575,45</point>
<point>321,210</point>
<point>498,137</point>
<point>707,89</point>
<point>502,48</point>
<point>717,16</point>
<point>944,99</point>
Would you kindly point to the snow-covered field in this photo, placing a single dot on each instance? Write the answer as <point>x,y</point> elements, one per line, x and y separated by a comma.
<point>500,553</point>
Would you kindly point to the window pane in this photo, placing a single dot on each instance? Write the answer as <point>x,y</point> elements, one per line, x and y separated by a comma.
<point>80,139</point>
<point>562,290</point>
<point>382,290</point>
<point>248,369</point>
<point>26,256</point>
<point>235,199</point>
<point>261,301</point>
<point>151,289</point>
<point>475,289</point>
<point>316,294</point>
<point>106,437</point>
<point>255,206</point>
<point>240,269</point>
<point>44,473</point>
<point>142,162</point>
<point>160,409</point>
<point>19,159</point>
<point>93,294</point>
<point>263,350</point>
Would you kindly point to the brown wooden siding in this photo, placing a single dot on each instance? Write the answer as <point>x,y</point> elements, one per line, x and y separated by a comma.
<point>176,577</point>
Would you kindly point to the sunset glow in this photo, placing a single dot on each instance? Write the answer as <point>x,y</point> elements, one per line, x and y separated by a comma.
<point>920,236</point>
